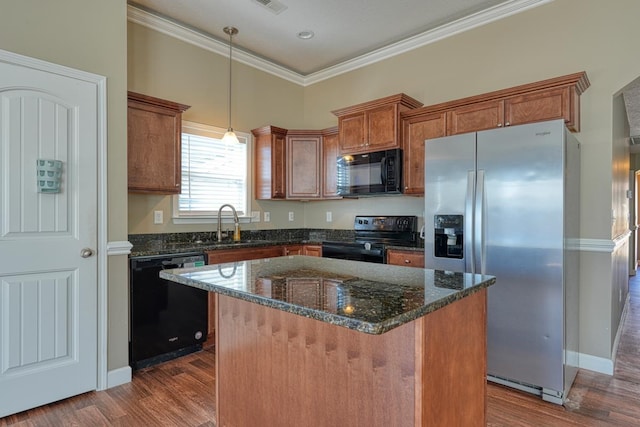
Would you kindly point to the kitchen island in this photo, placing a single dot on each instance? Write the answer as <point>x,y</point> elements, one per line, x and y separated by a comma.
<point>325,342</point>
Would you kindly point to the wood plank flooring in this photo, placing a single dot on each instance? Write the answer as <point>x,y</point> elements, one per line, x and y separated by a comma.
<point>181,393</point>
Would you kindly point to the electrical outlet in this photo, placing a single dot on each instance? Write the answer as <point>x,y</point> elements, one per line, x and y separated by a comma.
<point>158,217</point>
<point>255,216</point>
<point>267,216</point>
<point>290,216</point>
<point>329,216</point>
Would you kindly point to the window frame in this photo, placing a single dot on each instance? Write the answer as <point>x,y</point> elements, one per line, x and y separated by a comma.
<point>210,131</point>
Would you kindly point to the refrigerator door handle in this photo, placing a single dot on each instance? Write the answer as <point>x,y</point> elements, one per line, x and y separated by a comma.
<point>478,229</point>
<point>469,257</point>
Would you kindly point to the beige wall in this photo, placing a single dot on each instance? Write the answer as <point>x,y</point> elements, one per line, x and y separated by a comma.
<point>88,35</point>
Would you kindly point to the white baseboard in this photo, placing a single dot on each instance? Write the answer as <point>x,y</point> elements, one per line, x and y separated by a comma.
<point>119,376</point>
<point>596,364</point>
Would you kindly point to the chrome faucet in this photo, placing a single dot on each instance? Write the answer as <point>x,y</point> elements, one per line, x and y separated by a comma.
<point>235,220</point>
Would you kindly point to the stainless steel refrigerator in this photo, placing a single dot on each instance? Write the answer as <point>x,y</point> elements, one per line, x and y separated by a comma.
<point>505,202</point>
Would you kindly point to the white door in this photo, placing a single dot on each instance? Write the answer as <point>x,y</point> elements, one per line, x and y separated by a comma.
<point>48,272</point>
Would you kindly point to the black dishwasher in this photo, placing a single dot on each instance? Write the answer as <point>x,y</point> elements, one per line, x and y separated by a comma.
<point>167,319</point>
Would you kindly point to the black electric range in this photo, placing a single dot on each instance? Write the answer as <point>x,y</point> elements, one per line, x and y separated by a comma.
<point>372,235</point>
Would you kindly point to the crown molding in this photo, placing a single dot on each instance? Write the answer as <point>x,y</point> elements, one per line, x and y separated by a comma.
<point>189,35</point>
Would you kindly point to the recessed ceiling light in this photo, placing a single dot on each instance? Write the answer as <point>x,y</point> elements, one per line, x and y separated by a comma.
<point>305,35</point>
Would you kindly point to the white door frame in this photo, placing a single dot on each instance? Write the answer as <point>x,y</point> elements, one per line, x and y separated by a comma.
<point>100,83</point>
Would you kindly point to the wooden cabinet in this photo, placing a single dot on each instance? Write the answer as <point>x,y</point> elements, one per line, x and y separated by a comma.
<point>308,250</point>
<point>292,250</point>
<point>416,129</point>
<point>405,258</point>
<point>373,125</point>
<point>232,255</point>
<point>304,164</point>
<point>154,129</point>
<point>312,250</point>
<point>330,153</point>
<point>270,163</point>
<point>296,164</point>
<point>529,107</point>
<point>544,100</point>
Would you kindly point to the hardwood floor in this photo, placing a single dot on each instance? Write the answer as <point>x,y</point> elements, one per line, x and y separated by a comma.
<point>181,393</point>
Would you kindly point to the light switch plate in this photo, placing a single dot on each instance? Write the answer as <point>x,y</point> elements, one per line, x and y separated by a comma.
<point>267,216</point>
<point>329,216</point>
<point>290,216</point>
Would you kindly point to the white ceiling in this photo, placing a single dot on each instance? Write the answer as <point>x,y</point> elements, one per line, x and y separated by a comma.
<point>345,30</point>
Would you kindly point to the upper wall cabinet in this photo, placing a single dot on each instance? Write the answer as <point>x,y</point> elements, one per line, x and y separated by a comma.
<point>304,164</point>
<point>373,125</point>
<point>270,163</point>
<point>153,146</point>
<point>544,100</point>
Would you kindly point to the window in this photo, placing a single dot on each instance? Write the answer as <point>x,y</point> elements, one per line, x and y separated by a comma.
<point>213,174</point>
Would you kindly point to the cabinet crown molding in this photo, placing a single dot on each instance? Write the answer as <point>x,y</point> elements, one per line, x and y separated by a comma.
<point>268,130</point>
<point>150,100</point>
<point>401,98</point>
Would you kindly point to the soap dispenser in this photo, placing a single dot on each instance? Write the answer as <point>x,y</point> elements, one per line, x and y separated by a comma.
<point>236,233</point>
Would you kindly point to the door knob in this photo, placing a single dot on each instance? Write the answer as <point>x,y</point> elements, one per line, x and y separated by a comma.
<point>86,252</point>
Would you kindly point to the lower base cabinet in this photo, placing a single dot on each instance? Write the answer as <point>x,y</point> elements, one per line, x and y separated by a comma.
<point>405,258</point>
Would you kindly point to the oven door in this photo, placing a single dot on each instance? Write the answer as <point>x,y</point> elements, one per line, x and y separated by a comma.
<point>354,251</point>
<point>370,173</point>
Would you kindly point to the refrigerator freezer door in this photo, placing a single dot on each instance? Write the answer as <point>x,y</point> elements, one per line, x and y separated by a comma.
<point>523,243</point>
<point>449,185</point>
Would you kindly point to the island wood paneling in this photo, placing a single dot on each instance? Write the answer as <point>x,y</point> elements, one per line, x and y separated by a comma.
<point>277,368</point>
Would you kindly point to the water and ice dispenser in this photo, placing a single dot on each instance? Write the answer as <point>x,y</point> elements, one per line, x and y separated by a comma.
<point>448,236</point>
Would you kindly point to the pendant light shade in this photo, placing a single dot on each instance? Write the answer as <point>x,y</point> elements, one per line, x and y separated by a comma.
<point>230,135</point>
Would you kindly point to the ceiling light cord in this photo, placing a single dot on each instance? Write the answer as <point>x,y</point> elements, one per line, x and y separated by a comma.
<point>230,135</point>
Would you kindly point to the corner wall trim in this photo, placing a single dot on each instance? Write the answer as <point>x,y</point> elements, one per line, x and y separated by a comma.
<point>119,248</point>
<point>119,376</point>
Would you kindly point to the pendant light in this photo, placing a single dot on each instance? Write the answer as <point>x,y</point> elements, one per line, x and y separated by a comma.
<point>230,136</point>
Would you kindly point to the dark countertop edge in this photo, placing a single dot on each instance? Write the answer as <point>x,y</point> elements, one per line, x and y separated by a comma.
<point>334,319</point>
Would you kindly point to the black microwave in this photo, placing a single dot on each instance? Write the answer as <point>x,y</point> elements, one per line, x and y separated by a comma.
<point>370,174</point>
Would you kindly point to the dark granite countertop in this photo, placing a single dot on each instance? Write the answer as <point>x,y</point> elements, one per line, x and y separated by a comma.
<point>367,297</point>
<point>174,243</point>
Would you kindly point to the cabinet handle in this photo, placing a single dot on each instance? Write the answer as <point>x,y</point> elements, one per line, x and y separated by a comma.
<point>407,261</point>
<point>507,124</point>
<point>499,125</point>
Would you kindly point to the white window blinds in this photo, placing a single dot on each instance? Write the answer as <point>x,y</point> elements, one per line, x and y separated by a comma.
<point>213,173</point>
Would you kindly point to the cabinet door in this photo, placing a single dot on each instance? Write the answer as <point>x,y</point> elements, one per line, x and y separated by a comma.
<point>303,167</point>
<point>279,171</point>
<point>475,117</point>
<point>538,106</point>
<point>415,131</point>
<point>269,163</point>
<point>154,129</point>
<point>312,250</point>
<point>382,130</point>
<point>293,250</point>
<point>352,133</point>
<point>405,258</point>
<point>330,152</point>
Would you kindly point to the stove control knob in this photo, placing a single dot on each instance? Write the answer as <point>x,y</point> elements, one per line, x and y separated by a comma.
<point>367,246</point>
